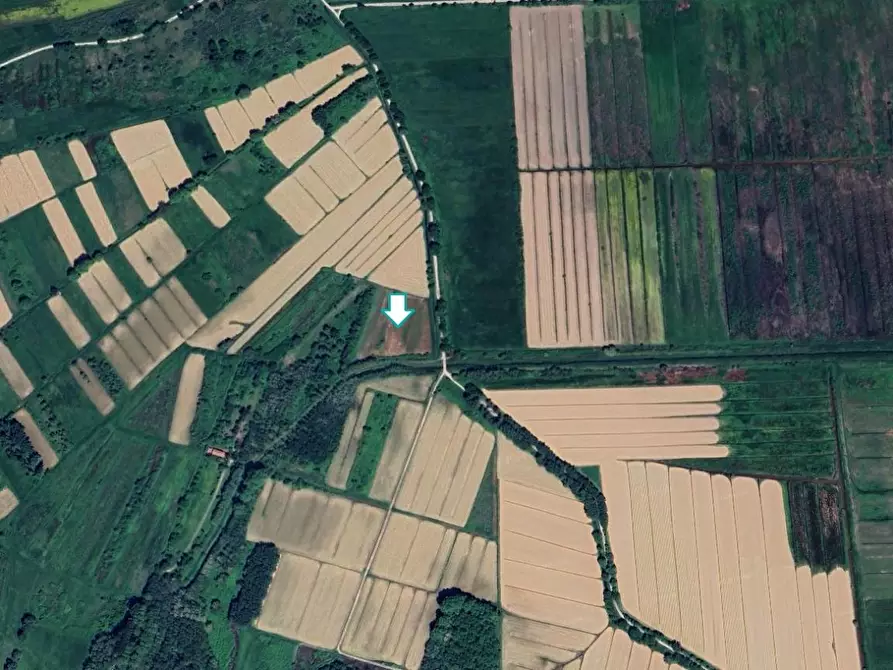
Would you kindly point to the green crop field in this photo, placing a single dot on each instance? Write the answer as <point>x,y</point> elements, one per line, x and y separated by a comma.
<point>450,70</point>
<point>866,404</point>
<point>375,432</point>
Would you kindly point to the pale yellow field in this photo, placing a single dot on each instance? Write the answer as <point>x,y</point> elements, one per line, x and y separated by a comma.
<point>8,502</point>
<point>152,156</point>
<point>447,466</point>
<point>220,130</point>
<point>112,286</point>
<point>16,187</point>
<point>316,188</point>
<point>160,247</point>
<point>64,230</point>
<point>187,398</point>
<point>548,562</point>
<point>726,585</point>
<point>139,261</point>
<point>335,169</point>
<point>237,121</point>
<point>82,159</point>
<point>549,83</point>
<point>407,417</point>
<point>380,243</point>
<point>259,107</point>
<point>104,291</point>
<point>119,359</point>
<point>295,205</point>
<point>361,127</point>
<point>321,72</point>
<point>285,89</point>
<point>404,270</point>
<point>5,311</point>
<point>91,386</point>
<point>42,185</point>
<point>96,212</point>
<point>14,373</point>
<point>342,461</point>
<point>323,246</point>
<point>38,442</point>
<point>590,426</point>
<point>210,207</point>
<point>69,321</point>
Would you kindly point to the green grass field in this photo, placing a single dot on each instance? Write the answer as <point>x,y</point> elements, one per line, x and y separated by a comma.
<point>375,432</point>
<point>450,70</point>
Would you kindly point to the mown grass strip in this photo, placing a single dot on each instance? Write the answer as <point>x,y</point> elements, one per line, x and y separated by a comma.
<point>635,259</point>
<point>375,432</point>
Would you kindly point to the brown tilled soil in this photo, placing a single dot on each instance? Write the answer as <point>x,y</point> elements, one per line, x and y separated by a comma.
<point>383,339</point>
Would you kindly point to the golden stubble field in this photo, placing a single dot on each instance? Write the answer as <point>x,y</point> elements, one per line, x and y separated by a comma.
<point>707,559</point>
<point>187,398</point>
<point>8,502</point>
<point>154,161</point>
<point>367,224</point>
<point>23,183</point>
<point>318,595</point>
<point>590,426</point>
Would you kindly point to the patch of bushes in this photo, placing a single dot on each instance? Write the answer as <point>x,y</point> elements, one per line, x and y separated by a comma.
<point>254,583</point>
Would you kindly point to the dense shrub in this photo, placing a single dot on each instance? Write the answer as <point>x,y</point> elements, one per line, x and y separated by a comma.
<point>254,583</point>
<point>465,634</point>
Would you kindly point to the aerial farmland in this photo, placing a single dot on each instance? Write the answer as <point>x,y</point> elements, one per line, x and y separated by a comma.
<point>427,336</point>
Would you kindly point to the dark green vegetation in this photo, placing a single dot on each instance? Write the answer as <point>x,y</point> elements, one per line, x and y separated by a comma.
<point>262,651</point>
<point>200,59</point>
<point>865,399</point>
<point>375,432</point>
<point>336,112</point>
<point>786,102</point>
<point>253,583</point>
<point>815,526</point>
<point>152,412</point>
<point>466,634</point>
<point>482,519</point>
<point>450,69</point>
<point>17,446</point>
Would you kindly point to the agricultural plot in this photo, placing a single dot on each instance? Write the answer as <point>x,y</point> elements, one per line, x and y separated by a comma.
<point>23,183</point>
<point>81,158</point>
<point>92,386</point>
<point>329,540</point>
<point>39,443</point>
<point>187,398</point>
<point>867,418</point>
<point>595,426</point>
<point>708,560</point>
<point>339,239</point>
<point>548,569</point>
<point>8,502</point>
<point>380,338</point>
<point>549,84</point>
<point>154,161</point>
<point>233,121</point>
<point>456,94</point>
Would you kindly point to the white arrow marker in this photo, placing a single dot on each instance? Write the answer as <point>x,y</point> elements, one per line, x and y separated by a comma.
<point>396,310</point>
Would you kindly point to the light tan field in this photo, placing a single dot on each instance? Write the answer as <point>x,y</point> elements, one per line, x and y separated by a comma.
<point>283,90</point>
<point>447,466</point>
<point>377,151</point>
<point>153,159</point>
<point>97,296</point>
<point>5,311</point>
<point>404,270</point>
<point>531,644</point>
<point>316,188</point>
<point>309,523</point>
<point>599,425</point>
<point>342,461</point>
<point>210,207</point>
<point>710,564</point>
<point>160,247</point>
<point>237,121</point>
<point>308,601</point>
<point>38,442</point>
<point>549,84</point>
<point>259,107</point>
<point>91,386</point>
<point>396,449</point>
<point>14,373</point>
<point>187,398</point>
<point>335,169</point>
<point>119,359</point>
<point>390,623</point>
<point>8,502</point>
<point>361,127</point>
<point>548,562</point>
<point>295,205</point>
<point>64,230</point>
<point>220,130</point>
<point>321,72</point>
<point>385,239</point>
<point>297,135</point>
<point>323,246</point>
<point>147,335</point>
<point>42,185</point>
<point>69,321</point>
<point>96,212</point>
<point>406,387</point>
<point>82,159</point>
<point>18,189</point>
<point>563,294</point>
<point>139,261</point>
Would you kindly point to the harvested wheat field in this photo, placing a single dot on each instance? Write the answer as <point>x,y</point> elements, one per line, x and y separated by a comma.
<point>404,269</point>
<point>210,207</point>
<point>707,559</point>
<point>218,127</point>
<point>407,418</point>
<point>104,291</point>
<point>290,200</point>
<point>326,528</point>
<point>297,135</point>
<point>187,398</point>
<point>390,623</point>
<point>153,159</point>
<point>589,426</point>
<point>160,247</point>
<point>35,436</point>
<point>333,167</point>
<point>96,212</point>
<point>5,311</point>
<point>321,72</point>
<point>259,107</point>
<point>406,387</point>
<point>14,373</point>
<point>8,502</point>
<point>69,321</point>
<point>549,84</point>
<point>23,183</point>
<point>447,466</point>
<point>531,644</point>
<point>91,386</point>
<point>367,138</point>
<point>237,121</point>
<point>64,231</point>
<point>563,292</point>
<point>323,246</point>
<point>82,159</point>
<point>548,565</point>
<point>308,601</point>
